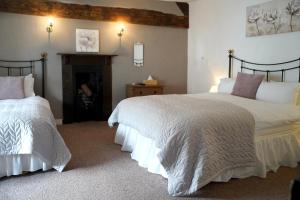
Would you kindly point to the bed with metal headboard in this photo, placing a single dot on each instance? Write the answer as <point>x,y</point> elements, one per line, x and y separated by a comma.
<point>292,65</point>
<point>25,67</point>
<point>29,139</point>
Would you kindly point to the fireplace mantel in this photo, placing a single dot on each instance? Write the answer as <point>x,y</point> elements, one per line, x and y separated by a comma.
<point>84,54</point>
<point>78,58</point>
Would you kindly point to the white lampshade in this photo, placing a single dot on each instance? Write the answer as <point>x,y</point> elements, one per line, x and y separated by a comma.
<point>214,89</point>
<point>138,57</point>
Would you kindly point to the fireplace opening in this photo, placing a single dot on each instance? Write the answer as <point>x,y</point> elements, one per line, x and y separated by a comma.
<point>87,87</point>
<point>88,96</point>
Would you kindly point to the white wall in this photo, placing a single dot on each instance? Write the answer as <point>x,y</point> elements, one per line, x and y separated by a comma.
<point>219,25</point>
<point>25,37</point>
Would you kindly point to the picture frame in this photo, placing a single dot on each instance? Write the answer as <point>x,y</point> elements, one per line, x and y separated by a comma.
<point>273,17</point>
<point>87,40</point>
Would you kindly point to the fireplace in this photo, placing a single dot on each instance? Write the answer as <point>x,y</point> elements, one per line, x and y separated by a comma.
<point>86,87</point>
<point>88,93</point>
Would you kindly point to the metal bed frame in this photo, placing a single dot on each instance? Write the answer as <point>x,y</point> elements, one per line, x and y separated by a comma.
<point>283,71</point>
<point>26,64</point>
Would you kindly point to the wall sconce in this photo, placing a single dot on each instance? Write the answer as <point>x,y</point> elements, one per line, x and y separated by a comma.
<point>49,28</point>
<point>138,54</point>
<point>122,29</point>
<point>121,33</point>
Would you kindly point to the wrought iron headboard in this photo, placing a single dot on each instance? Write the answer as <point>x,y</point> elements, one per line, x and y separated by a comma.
<point>26,64</point>
<point>268,72</point>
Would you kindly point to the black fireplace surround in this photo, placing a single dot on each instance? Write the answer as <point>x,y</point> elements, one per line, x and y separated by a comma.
<point>87,92</point>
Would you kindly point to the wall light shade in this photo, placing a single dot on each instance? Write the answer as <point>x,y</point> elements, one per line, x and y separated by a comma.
<point>121,29</point>
<point>49,28</point>
<point>214,89</point>
<point>138,54</point>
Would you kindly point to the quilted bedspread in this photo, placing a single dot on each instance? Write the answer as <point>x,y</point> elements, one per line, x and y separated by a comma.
<point>27,126</point>
<point>198,138</point>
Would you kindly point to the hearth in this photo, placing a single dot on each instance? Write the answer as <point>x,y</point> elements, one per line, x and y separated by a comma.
<point>86,87</point>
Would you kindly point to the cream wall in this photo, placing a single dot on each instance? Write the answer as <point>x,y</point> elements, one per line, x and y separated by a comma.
<point>25,37</point>
<point>218,25</point>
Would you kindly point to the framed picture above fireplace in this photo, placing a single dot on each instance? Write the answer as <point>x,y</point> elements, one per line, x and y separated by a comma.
<point>87,40</point>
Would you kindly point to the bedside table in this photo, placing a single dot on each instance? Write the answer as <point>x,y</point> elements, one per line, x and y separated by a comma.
<point>143,90</point>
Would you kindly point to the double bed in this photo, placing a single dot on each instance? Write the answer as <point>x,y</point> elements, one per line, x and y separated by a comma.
<point>196,139</point>
<point>29,139</point>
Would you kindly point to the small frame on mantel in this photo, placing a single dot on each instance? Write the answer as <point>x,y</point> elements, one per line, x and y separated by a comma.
<point>138,57</point>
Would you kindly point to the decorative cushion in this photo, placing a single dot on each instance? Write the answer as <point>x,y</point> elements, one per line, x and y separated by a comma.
<point>11,88</point>
<point>29,86</point>
<point>246,85</point>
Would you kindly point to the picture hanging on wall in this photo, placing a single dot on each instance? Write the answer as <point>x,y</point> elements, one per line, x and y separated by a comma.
<point>87,40</point>
<point>274,17</point>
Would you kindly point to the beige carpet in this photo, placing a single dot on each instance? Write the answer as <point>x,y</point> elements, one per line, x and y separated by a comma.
<point>99,170</point>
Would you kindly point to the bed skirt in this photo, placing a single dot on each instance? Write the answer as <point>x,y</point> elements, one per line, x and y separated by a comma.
<point>17,164</point>
<point>273,151</point>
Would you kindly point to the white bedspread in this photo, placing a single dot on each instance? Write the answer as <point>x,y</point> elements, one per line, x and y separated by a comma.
<point>27,126</point>
<point>198,138</point>
<point>266,114</point>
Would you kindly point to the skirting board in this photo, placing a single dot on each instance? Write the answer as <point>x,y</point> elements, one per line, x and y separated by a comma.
<point>58,121</point>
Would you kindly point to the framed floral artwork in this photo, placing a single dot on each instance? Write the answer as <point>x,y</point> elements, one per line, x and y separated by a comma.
<point>87,40</point>
<point>274,17</point>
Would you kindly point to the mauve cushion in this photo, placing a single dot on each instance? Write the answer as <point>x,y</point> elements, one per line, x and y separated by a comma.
<point>246,85</point>
<point>11,87</point>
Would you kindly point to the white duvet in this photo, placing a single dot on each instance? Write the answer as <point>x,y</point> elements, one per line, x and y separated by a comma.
<point>27,126</point>
<point>266,114</point>
<point>198,139</point>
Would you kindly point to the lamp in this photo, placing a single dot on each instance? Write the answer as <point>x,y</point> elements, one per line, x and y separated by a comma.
<point>120,34</point>
<point>122,29</point>
<point>214,89</point>
<point>49,28</point>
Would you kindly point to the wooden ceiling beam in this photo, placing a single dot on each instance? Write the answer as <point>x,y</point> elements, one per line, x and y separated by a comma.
<point>184,7</point>
<point>96,13</point>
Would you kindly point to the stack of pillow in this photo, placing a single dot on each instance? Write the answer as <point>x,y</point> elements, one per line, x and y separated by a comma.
<point>16,87</point>
<point>252,87</point>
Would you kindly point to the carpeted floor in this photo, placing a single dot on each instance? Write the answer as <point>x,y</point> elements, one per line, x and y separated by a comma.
<point>99,170</point>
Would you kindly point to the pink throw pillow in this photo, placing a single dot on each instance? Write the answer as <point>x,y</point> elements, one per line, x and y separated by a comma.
<point>246,85</point>
<point>12,88</point>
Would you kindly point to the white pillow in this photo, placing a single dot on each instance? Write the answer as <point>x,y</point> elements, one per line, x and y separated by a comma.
<point>297,97</point>
<point>29,86</point>
<point>226,85</point>
<point>278,92</point>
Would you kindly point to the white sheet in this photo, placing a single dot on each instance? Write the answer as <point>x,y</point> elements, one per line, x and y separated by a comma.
<point>27,127</point>
<point>17,164</point>
<point>266,114</point>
